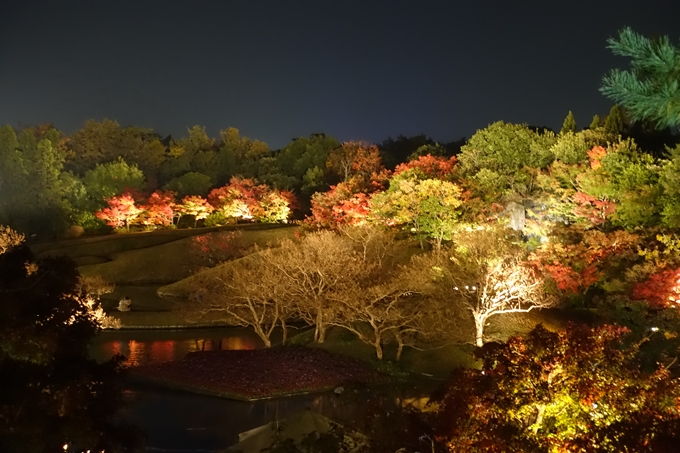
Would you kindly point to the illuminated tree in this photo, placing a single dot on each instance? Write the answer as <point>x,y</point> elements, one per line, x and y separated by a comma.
<point>669,180</point>
<point>313,274</point>
<point>651,88</point>
<point>354,159</point>
<point>576,261</point>
<point>486,275</point>
<point>238,199</point>
<point>121,212</point>
<point>504,158</point>
<point>575,391</point>
<point>195,206</point>
<point>344,204</point>
<point>383,303</point>
<point>429,167</point>
<point>158,209</point>
<point>426,207</point>
<point>276,206</point>
<point>9,239</point>
<point>304,159</point>
<point>111,179</point>
<point>244,199</point>
<point>661,289</point>
<point>244,294</point>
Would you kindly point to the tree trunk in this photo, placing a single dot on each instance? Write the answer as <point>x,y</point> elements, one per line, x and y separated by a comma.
<point>377,344</point>
<point>400,348</point>
<point>265,338</point>
<point>320,332</point>
<point>479,327</point>
<point>285,333</point>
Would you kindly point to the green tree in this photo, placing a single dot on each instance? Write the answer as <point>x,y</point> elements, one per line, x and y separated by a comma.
<point>595,123</point>
<point>239,156</point>
<point>651,88</point>
<point>506,148</point>
<point>670,182</point>
<point>571,148</point>
<point>94,144</point>
<point>613,124</point>
<point>195,153</point>
<point>569,124</point>
<point>39,205</point>
<point>303,154</point>
<point>51,392</point>
<point>13,174</point>
<point>191,183</point>
<point>111,179</point>
<point>507,156</point>
<point>426,207</point>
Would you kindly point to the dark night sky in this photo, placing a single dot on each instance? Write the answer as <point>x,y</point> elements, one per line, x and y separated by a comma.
<point>279,69</point>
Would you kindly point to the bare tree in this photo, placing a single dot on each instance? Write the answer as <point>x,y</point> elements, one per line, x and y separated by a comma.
<point>485,273</point>
<point>384,304</point>
<point>245,294</point>
<point>312,272</point>
<point>377,313</point>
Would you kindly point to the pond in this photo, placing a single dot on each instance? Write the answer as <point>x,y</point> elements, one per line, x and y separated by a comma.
<point>185,422</point>
<point>149,346</point>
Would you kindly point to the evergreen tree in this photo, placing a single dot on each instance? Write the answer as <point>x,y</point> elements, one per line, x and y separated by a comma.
<point>569,124</point>
<point>613,124</point>
<point>595,123</point>
<point>651,88</point>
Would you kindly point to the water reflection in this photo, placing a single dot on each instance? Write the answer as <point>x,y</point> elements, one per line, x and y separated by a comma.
<point>142,347</point>
<point>180,421</point>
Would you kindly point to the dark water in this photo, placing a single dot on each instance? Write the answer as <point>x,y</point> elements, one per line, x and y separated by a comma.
<point>182,422</point>
<point>150,346</point>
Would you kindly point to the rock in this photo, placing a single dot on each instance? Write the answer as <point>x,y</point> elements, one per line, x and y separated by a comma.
<point>124,304</point>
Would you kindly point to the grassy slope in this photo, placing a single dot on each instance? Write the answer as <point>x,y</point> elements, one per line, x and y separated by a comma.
<point>148,258</point>
<point>138,262</point>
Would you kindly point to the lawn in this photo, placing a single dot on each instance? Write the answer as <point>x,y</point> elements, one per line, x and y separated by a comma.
<point>158,257</point>
<point>261,373</point>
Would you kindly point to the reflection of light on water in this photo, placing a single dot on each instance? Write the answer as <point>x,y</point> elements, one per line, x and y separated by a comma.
<point>237,343</point>
<point>141,352</point>
<point>136,354</point>
<point>162,351</point>
<point>112,348</point>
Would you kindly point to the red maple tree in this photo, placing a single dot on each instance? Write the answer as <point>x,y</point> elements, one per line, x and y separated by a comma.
<point>428,166</point>
<point>158,209</point>
<point>121,211</point>
<point>662,289</point>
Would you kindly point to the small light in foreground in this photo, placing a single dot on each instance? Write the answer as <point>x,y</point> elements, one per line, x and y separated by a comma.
<point>654,329</point>
<point>65,447</point>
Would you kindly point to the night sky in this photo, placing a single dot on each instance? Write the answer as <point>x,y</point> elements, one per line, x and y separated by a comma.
<point>357,70</point>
